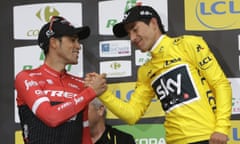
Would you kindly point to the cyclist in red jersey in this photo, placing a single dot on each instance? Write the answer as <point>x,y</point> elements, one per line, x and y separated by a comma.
<point>53,104</point>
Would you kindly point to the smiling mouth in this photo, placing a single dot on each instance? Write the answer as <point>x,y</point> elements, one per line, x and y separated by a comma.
<point>75,53</point>
<point>138,43</point>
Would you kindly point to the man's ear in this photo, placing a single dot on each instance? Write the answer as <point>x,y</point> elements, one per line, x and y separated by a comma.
<point>154,20</point>
<point>53,42</point>
<point>102,110</point>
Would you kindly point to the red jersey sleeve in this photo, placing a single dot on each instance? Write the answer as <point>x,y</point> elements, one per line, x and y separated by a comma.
<point>30,93</point>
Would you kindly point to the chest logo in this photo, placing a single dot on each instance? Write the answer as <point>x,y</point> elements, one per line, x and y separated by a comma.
<point>175,87</point>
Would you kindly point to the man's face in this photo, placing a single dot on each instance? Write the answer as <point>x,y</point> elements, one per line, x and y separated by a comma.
<point>142,35</point>
<point>95,114</point>
<point>68,49</point>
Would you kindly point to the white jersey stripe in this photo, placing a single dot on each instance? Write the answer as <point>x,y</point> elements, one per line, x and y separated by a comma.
<point>85,123</point>
<point>38,102</point>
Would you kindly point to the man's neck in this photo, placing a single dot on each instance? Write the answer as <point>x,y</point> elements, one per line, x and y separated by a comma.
<point>97,132</point>
<point>55,65</point>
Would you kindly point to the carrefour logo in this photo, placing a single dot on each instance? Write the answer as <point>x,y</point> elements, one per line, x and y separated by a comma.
<point>212,15</point>
<point>28,19</point>
<point>115,65</point>
<point>115,69</point>
<point>44,14</point>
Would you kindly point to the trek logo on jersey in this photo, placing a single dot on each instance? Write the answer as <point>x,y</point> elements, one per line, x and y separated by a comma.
<point>30,83</point>
<point>56,93</point>
<point>175,87</point>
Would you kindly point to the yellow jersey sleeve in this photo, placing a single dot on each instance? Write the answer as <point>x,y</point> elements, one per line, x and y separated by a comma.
<point>132,110</point>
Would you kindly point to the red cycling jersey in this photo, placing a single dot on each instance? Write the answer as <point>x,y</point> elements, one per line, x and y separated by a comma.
<point>53,106</point>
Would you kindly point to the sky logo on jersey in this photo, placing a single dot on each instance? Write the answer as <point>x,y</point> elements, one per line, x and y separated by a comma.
<point>212,14</point>
<point>175,87</point>
<point>169,86</point>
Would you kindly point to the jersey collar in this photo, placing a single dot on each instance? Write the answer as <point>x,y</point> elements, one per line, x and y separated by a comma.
<point>51,71</point>
<point>157,42</point>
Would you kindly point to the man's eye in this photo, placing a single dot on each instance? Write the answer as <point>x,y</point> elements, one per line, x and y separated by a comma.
<point>135,29</point>
<point>74,40</point>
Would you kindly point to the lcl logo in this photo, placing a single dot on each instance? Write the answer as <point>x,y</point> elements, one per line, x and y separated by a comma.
<point>219,8</point>
<point>209,12</point>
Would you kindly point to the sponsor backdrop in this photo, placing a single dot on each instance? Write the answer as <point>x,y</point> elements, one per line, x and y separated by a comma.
<point>218,21</point>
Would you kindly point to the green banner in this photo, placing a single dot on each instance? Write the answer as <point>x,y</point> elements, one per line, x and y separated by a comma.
<point>145,133</point>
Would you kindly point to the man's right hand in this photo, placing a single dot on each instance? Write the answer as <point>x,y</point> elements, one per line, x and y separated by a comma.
<point>97,82</point>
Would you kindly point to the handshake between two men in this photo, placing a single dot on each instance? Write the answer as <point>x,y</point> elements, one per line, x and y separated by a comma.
<point>97,82</point>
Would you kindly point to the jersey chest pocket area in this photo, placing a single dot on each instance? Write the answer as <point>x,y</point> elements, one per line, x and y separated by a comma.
<point>175,87</point>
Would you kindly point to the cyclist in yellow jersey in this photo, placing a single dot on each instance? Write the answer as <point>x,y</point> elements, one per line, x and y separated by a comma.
<point>184,74</point>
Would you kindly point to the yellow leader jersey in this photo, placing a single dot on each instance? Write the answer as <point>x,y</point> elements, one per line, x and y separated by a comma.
<point>191,86</point>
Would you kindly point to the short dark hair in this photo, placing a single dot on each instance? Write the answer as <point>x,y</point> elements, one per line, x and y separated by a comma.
<point>160,25</point>
<point>137,13</point>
